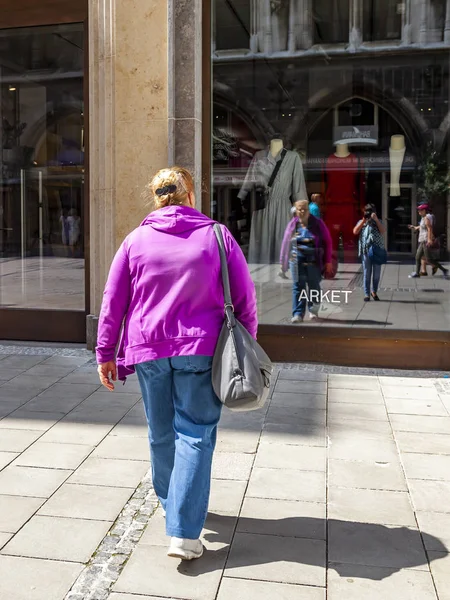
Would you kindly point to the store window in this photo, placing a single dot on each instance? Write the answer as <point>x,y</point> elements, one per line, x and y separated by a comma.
<point>232,24</point>
<point>362,135</point>
<point>331,21</point>
<point>382,20</point>
<point>42,168</point>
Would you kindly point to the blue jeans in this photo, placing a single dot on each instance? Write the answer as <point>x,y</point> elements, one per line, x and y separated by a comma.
<point>372,275</point>
<point>182,413</point>
<point>305,287</point>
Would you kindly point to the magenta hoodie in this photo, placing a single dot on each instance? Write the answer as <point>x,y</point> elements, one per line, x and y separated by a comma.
<point>165,286</point>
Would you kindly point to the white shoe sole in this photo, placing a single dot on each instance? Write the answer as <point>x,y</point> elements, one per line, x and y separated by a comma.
<point>184,554</point>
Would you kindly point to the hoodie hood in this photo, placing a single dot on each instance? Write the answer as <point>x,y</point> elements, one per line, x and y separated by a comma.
<point>176,219</point>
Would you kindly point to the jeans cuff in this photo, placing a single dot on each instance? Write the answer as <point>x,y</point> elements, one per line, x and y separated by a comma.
<point>178,533</point>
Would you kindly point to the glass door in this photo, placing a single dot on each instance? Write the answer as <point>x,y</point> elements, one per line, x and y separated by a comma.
<point>398,213</point>
<point>42,160</point>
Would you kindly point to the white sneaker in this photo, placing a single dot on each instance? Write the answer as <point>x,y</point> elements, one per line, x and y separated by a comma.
<point>313,317</point>
<point>296,319</point>
<point>185,549</point>
<point>163,512</point>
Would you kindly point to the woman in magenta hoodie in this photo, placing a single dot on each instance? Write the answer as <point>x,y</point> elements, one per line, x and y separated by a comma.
<point>165,287</point>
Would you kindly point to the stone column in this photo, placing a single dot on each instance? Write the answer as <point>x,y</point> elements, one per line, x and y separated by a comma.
<point>300,25</point>
<point>423,27</point>
<point>447,23</point>
<point>406,24</point>
<point>355,34</point>
<point>128,124</point>
<point>254,33</point>
<point>185,87</point>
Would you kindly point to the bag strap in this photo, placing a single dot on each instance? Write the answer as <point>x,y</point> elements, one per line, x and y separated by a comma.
<point>229,308</point>
<point>277,168</point>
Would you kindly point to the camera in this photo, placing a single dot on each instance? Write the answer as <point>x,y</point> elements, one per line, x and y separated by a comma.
<point>367,214</point>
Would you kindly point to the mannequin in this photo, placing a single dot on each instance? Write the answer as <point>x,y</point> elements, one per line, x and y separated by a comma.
<point>269,224</point>
<point>342,150</point>
<point>397,151</point>
<point>343,180</point>
<point>276,146</point>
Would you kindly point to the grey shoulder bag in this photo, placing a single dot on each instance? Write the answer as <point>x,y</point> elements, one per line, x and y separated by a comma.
<point>241,370</point>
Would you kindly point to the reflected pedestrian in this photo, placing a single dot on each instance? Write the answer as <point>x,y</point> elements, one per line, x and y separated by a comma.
<point>370,231</point>
<point>427,243</point>
<point>306,251</point>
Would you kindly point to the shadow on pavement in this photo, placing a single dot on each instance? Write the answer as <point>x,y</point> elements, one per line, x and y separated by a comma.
<point>350,546</point>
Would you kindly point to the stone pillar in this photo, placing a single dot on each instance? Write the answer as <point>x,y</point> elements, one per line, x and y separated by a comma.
<point>128,124</point>
<point>406,24</point>
<point>447,23</point>
<point>356,25</point>
<point>423,27</point>
<point>300,25</point>
<point>185,87</point>
<point>254,33</point>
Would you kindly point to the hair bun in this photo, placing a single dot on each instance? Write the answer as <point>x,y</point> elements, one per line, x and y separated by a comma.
<point>167,189</point>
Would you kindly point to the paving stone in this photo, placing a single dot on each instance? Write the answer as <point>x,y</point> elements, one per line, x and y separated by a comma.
<point>296,375</point>
<point>292,415</point>
<point>286,484</point>
<point>355,396</point>
<point>306,401</point>
<point>297,434</point>
<point>60,398</point>
<point>90,416</point>
<point>65,432</point>
<point>437,526</point>
<point>433,408</point>
<point>216,535</point>
<point>58,538</point>
<point>33,383</point>
<point>370,506</point>
<point>278,559</point>
<point>440,569</point>
<point>235,441</point>
<point>349,411</point>
<point>283,518</point>
<point>110,472</point>
<point>17,510</point>
<point>303,387</point>
<point>6,374</point>
<point>21,361</point>
<point>375,545</point>
<point>116,400</point>
<point>86,502</point>
<point>83,375</point>
<point>4,539</point>
<point>150,571</point>
<point>226,496</point>
<point>285,456</point>
<point>31,481</point>
<point>131,387</point>
<point>54,456</point>
<point>428,495</point>
<point>410,393</point>
<point>359,429</point>
<point>370,451</point>
<point>423,443</point>
<point>420,424</point>
<point>408,382</point>
<point>55,372</point>
<point>355,582</point>
<point>232,465</point>
<point>65,361</point>
<point>17,440</point>
<point>353,382</point>
<point>427,466</point>
<point>123,448</point>
<point>364,475</point>
<point>116,596</point>
<point>241,589</point>
<point>6,458</point>
<point>25,419</point>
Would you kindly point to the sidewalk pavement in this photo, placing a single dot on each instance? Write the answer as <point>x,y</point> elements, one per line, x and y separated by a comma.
<point>339,489</point>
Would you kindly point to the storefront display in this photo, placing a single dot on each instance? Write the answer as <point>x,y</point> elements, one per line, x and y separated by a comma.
<point>359,123</point>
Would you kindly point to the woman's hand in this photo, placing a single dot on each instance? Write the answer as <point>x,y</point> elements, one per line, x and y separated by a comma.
<point>328,269</point>
<point>107,373</point>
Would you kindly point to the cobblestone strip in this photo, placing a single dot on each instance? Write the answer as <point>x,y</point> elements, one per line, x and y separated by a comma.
<point>103,570</point>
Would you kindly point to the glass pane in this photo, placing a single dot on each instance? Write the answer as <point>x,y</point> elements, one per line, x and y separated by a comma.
<point>232,24</point>
<point>42,168</point>
<point>340,128</point>
<point>331,21</point>
<point>382,20</point>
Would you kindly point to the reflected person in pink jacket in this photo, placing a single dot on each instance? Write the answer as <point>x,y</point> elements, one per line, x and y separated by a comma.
<point>306,250</point>
<point>165,288</point>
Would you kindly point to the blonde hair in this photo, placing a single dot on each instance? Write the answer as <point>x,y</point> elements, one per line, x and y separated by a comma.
<point>170,186</point>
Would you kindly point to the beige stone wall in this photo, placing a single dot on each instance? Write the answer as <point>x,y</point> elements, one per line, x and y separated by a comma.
<point>128,72</point>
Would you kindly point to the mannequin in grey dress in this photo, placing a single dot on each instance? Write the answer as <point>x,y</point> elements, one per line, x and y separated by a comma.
<point>269,224</point>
